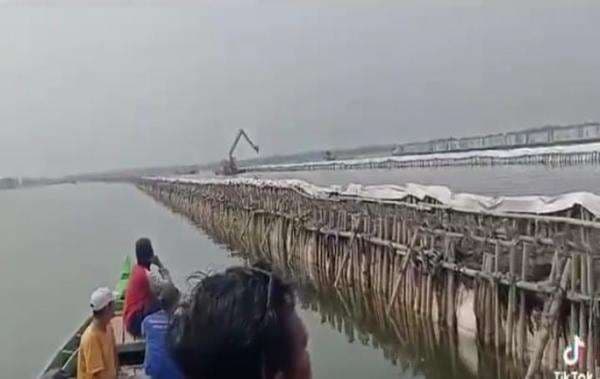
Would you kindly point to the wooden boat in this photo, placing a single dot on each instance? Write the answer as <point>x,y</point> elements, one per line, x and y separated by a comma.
<point>131,351</point>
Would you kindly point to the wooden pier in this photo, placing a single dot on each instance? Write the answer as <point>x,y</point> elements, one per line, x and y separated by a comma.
<point>528,282</point>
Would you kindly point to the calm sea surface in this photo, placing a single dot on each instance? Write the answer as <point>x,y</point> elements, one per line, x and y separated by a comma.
<point>58,243</point>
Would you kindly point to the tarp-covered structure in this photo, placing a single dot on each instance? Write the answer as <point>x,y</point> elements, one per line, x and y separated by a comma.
<point>439,194</point>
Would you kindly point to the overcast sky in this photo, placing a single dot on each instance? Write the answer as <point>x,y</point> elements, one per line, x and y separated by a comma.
<point>89,88</point>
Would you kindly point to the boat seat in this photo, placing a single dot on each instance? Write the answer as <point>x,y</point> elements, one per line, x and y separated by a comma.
<point>126,343</point>
<point>121,334</point>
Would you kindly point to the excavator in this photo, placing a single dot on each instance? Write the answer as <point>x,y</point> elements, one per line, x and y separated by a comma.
<point>229,167</point>
<point>329,156</point>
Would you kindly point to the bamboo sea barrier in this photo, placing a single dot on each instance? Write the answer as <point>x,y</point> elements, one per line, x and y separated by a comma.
<point>476,158</point>
<point>523,285</point>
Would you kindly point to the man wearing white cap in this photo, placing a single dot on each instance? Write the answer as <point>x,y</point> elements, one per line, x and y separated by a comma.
<point>97,357</point>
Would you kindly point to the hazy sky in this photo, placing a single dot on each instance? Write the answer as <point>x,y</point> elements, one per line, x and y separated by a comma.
<point>90,88</point>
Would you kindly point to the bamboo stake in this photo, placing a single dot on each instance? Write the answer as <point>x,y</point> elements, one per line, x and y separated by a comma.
<point>487,298</point>
<point>403,269</point>
<point>521,328</point>
<point>582,308</point>
<point>548,320</point>
<point>511,303</point>
<point>591,330</point>
<point>451,312</point>
<point>483,300</point>
<point>497,322</point>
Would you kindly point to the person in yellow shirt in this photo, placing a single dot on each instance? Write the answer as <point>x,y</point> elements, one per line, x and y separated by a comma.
<point>97,358</point>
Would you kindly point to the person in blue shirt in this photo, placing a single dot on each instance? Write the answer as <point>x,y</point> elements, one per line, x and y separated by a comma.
<point>158,364</point>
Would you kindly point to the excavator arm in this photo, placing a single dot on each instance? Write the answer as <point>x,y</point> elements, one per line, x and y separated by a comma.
<point>230,167</point>
<point>241,133</point>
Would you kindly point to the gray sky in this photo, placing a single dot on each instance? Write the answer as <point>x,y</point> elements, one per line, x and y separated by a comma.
<point>89,88</point>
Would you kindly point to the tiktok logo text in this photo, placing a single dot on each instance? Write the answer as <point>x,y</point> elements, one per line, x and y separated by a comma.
<point>571,357</point>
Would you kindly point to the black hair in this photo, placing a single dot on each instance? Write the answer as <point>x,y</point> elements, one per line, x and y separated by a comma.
<point>143,251</point>
<point>168,297</point>
<point>234,325</point>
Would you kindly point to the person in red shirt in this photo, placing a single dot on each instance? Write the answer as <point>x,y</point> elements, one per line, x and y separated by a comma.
<point>141,296</point>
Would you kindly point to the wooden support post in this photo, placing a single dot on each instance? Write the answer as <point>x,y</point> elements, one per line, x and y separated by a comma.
<point>583,324</point>
<point>511,302</point>
<point>591,364</point>
<point>483,312</point>
<point>497,322</point>
<point>450,254</point>
<point>402,272</point>
<point>347,255</point>
<point>522,325</point>
<point>489,314</point>
<point>548,319</point>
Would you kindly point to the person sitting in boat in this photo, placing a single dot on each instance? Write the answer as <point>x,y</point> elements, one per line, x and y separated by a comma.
<point>158,364</point>
<point>141,296</point>
<point>240,323</point>
<point>97,358</point>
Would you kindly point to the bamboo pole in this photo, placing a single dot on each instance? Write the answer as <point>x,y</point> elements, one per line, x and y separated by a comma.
<point>521,328</point>
<point>511,303</point>
<point>591,364</point>
<point>402,272</point>
<point>548,320</point>
<point>451,312</point>
<point>489,303</point>
<point>583,324</point>
<point>497,321</point>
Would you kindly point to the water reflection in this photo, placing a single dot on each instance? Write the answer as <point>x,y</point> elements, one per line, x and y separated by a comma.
<point>418,346</point>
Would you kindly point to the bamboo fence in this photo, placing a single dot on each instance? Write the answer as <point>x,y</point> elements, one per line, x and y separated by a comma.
<point>548,159</point>
<point>533,279</point>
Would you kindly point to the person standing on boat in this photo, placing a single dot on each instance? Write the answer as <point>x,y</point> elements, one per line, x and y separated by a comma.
<point>141,296</point>
<point>158,363</point>
<point>97,358</point>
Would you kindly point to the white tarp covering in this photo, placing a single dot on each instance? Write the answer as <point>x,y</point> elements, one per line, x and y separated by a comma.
<point>498,154</point>
<point>458,201</point>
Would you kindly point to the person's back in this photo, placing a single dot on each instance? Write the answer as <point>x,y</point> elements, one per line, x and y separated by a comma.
<point>97,358</point>
<point>158,363</point>
<point>137,298</point>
